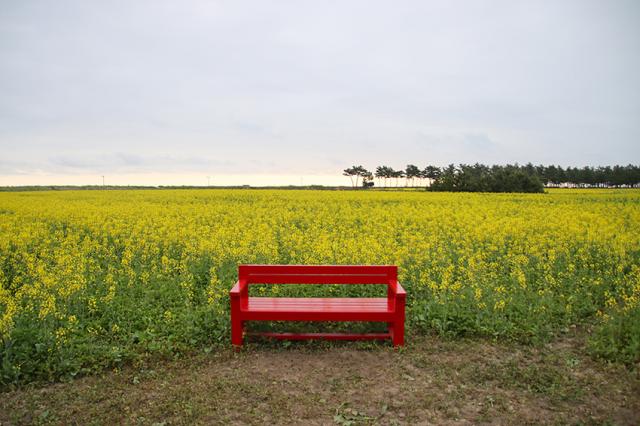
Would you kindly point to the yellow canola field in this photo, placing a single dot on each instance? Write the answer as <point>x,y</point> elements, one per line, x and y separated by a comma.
<point>119,269</point>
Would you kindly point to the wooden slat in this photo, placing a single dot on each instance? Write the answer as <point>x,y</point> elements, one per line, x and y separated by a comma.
<point>317,309</point>
<point>257,278</point>
<point>391,271</point>
<point>338,302</point>
<point>316,316</point>
<point>333,304</point>
<point>324,336</point>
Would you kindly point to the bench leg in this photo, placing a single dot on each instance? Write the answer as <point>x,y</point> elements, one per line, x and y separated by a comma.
<point>397,333</point>
<point>398,324</point>
<point>236,332</point>
<point>237,325</point>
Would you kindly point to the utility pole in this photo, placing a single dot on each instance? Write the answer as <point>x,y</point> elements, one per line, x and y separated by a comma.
<point>103,181</point>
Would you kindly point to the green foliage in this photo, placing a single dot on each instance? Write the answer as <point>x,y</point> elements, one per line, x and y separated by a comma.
<point>617,338</point>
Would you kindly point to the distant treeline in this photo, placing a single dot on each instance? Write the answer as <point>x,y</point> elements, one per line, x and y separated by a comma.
<point>498,178</point>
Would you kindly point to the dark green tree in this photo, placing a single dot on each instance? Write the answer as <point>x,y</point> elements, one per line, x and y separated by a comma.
<point>411,172</point>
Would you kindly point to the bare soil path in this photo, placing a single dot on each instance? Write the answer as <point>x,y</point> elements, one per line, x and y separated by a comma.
<point>430,381</point>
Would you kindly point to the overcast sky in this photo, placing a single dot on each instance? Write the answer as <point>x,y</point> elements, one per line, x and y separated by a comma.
<point>165,89</point>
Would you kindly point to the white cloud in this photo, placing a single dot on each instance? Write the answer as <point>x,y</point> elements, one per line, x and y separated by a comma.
<point>257,87</point>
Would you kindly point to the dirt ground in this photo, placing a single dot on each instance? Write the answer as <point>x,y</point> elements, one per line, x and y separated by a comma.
<point>430,381</point>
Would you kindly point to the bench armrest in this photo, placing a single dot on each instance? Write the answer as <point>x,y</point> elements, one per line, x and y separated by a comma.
<point>400,293</point>
<point>237,289</point>
<point>396,291</point>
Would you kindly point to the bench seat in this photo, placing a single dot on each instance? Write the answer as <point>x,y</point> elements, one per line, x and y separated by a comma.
<point>318,309</point>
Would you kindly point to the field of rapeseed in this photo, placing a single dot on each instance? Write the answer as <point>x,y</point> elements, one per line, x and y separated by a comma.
<point>89,279</point>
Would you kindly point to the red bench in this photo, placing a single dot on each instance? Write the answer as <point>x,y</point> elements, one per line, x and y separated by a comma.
<point>388,309</point>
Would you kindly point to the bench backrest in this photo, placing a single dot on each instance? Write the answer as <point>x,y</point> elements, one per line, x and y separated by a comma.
<point>321,274</point>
